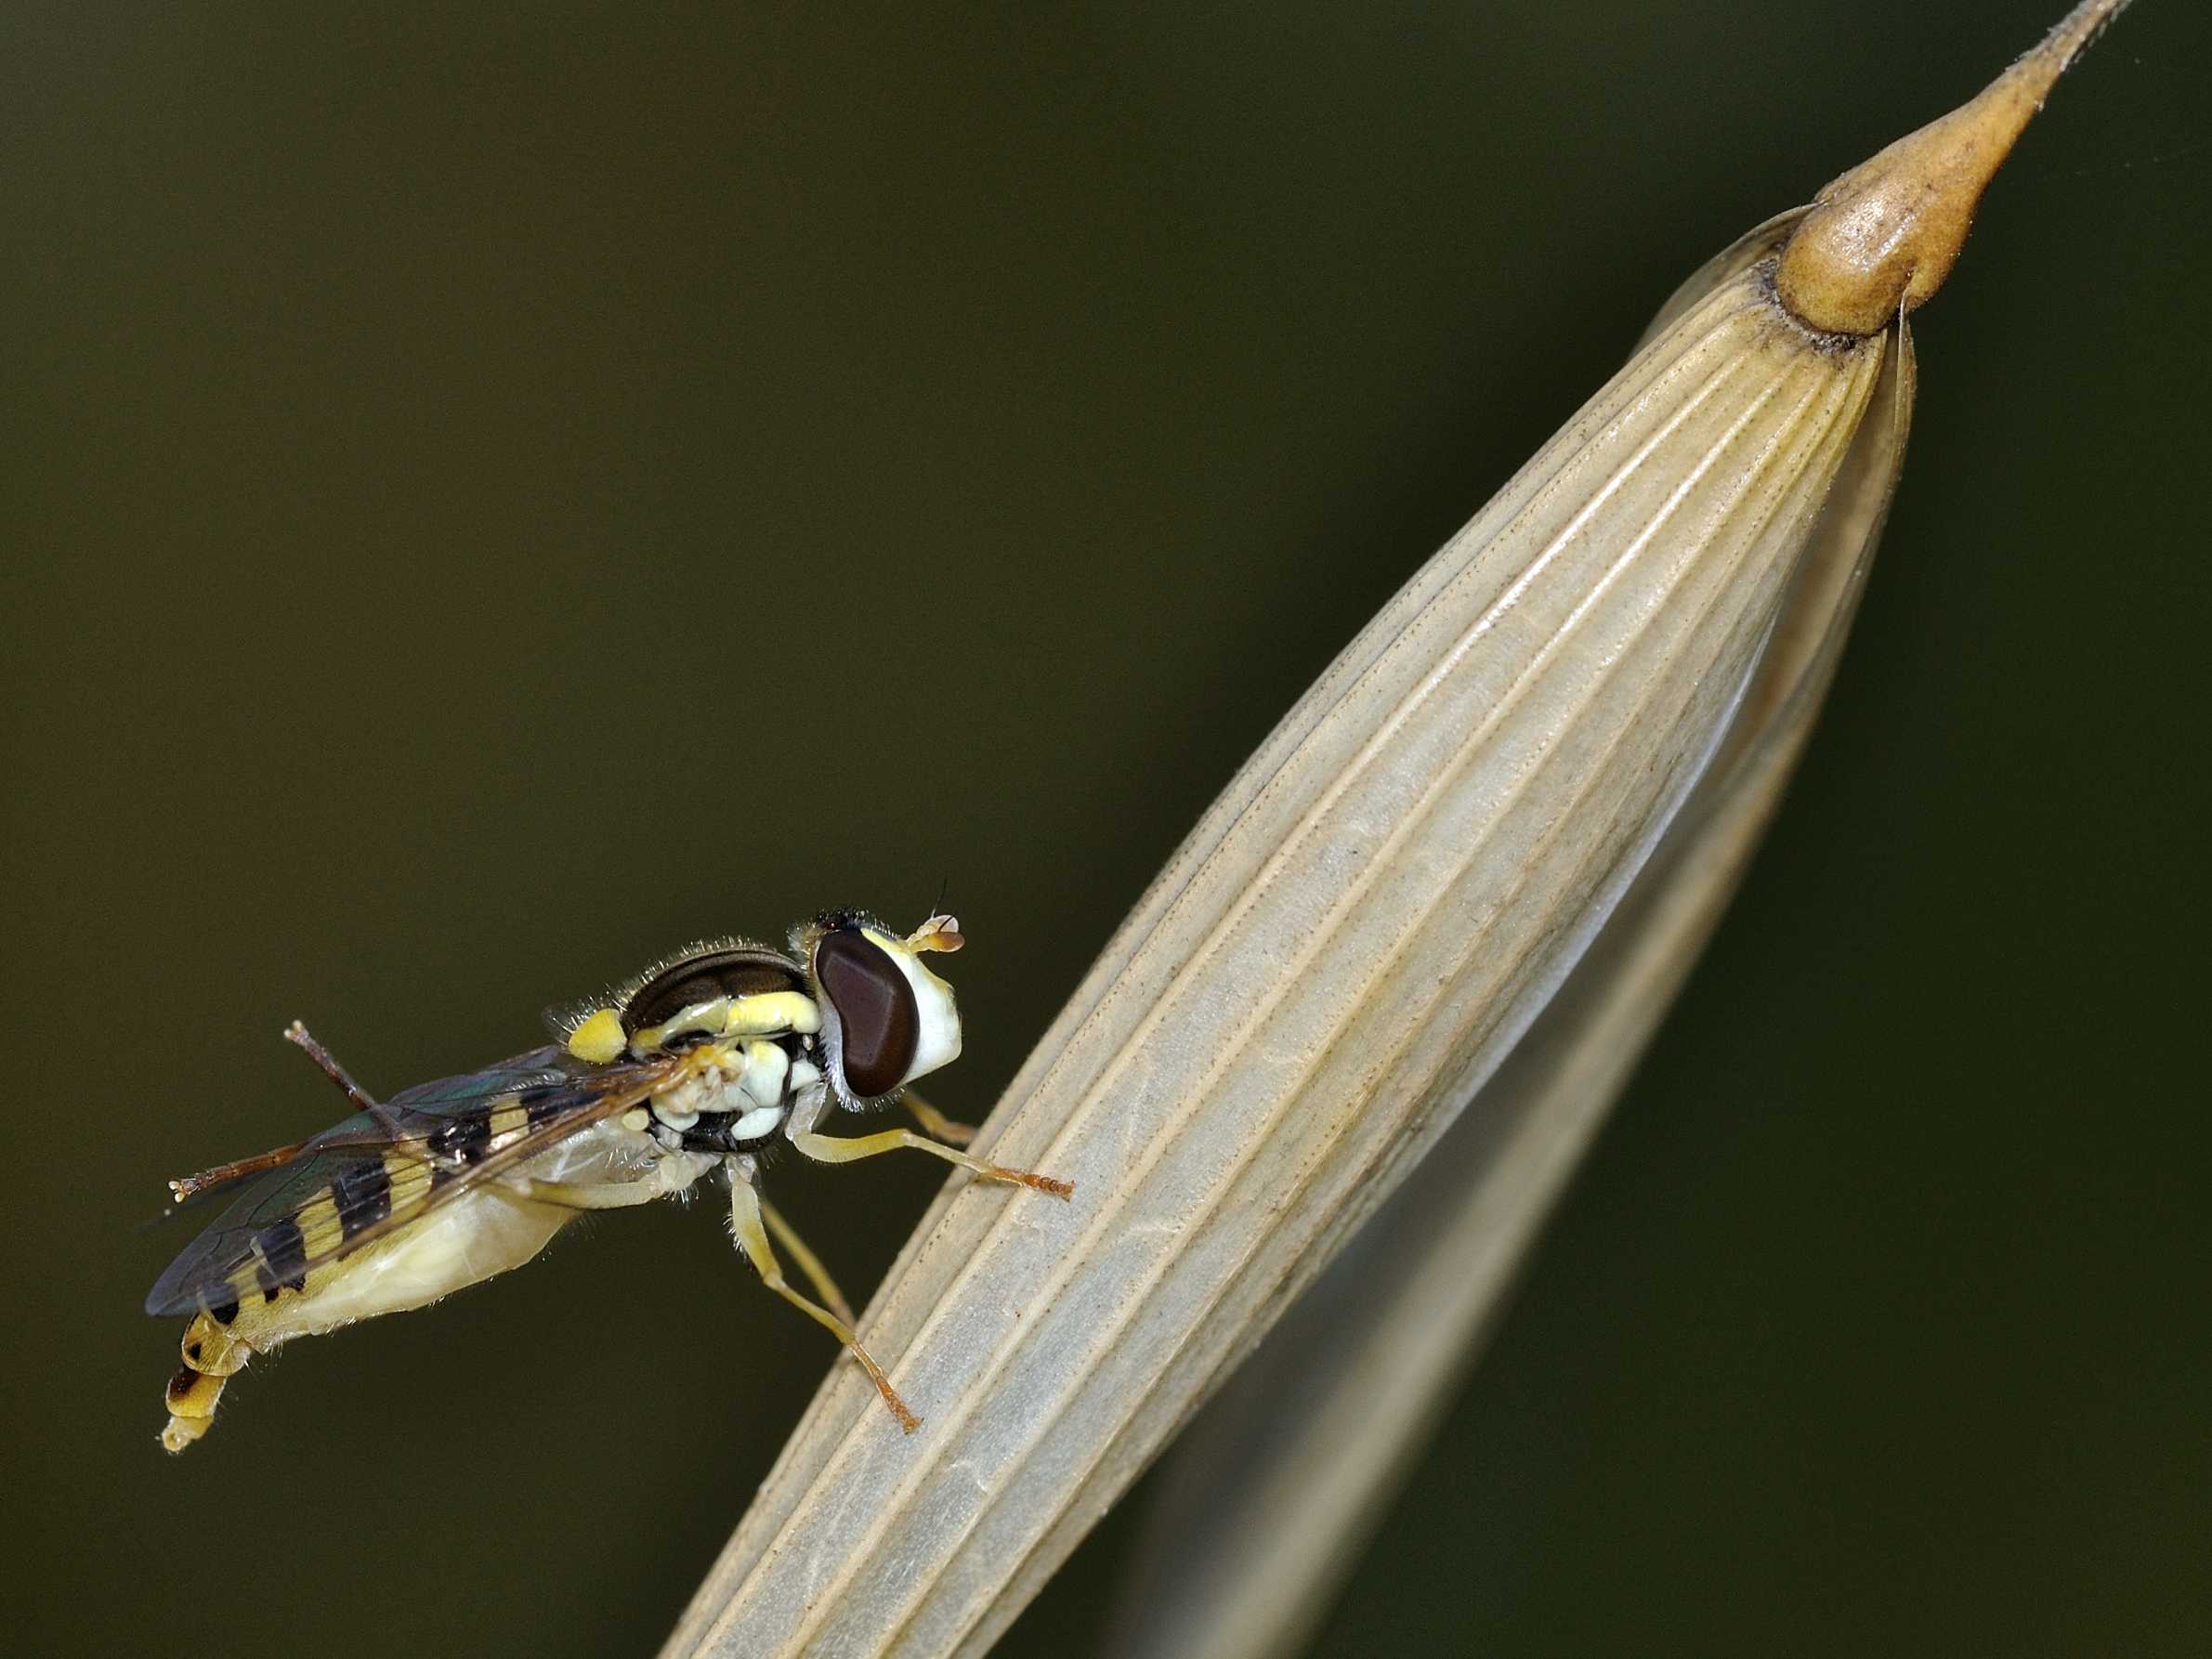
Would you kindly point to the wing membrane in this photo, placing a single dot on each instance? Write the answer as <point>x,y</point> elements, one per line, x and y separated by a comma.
<point>357,1180</point>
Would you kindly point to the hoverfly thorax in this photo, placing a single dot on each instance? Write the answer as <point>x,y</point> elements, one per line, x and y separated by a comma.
<point>885,1018</point>
<point>712,990</point>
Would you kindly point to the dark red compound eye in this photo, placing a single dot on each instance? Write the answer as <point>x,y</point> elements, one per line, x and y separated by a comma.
<point>879,1025</point>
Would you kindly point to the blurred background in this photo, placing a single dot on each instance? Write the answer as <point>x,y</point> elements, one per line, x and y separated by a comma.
<point>492,493</point>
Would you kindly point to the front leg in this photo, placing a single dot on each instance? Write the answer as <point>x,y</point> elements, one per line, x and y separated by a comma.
<point>934,1123</point>
<point>838,1149</point>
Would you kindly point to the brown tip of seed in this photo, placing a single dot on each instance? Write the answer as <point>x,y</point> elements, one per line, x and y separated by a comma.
<point>1882,238</point>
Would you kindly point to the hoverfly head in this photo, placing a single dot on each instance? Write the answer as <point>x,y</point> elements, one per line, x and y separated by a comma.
<point>886,1019</point>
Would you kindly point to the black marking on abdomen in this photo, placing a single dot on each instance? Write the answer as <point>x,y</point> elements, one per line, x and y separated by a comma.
<point>280,1259</point>
<point>540,1107</point>
<point>461,1141</point>
<point>362,1194</point>
<point>223,1312</point>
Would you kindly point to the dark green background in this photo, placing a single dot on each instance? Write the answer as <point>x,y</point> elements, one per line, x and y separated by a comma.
<point>490,495</point>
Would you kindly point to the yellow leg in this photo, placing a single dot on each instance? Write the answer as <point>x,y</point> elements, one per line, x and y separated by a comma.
<point>934,1122</point>
<point>573,1195</point>
<point>809,1264</point>
<point>838,1149</point>
<point>752,1238</point>
<point>570,1195</point>
<point>212,1356</point>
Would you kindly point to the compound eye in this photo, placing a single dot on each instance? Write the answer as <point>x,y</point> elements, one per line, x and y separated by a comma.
<point>879,1025</point>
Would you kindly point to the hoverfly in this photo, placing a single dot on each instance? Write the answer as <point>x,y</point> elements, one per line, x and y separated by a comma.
<point>685,1070</point>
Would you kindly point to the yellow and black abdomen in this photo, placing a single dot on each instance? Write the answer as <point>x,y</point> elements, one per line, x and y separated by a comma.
<point>285,1262</point>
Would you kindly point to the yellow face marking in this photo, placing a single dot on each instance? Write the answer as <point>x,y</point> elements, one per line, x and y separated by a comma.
<point>598,1038</point>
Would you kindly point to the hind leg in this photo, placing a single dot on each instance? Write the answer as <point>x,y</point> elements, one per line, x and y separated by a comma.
<point>751,1230</point>
<point>212,1356</point>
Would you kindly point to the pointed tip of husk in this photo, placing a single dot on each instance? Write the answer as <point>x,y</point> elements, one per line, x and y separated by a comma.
<point>1881,239</point>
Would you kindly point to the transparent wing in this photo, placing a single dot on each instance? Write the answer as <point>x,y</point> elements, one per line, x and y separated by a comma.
<point>361,1178</point>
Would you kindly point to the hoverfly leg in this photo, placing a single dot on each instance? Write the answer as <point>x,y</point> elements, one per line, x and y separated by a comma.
<point>592,1195</point>
<point>752,1234</point>
<point>809,1264</point>
<point>839,1149</point>
<point>934,1122</point>
<point>191,1186</point>
<point>572,1195</point>
<point>327,1063</point>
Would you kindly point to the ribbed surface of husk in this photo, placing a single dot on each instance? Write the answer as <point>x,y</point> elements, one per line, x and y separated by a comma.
<point>1348,944</point>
